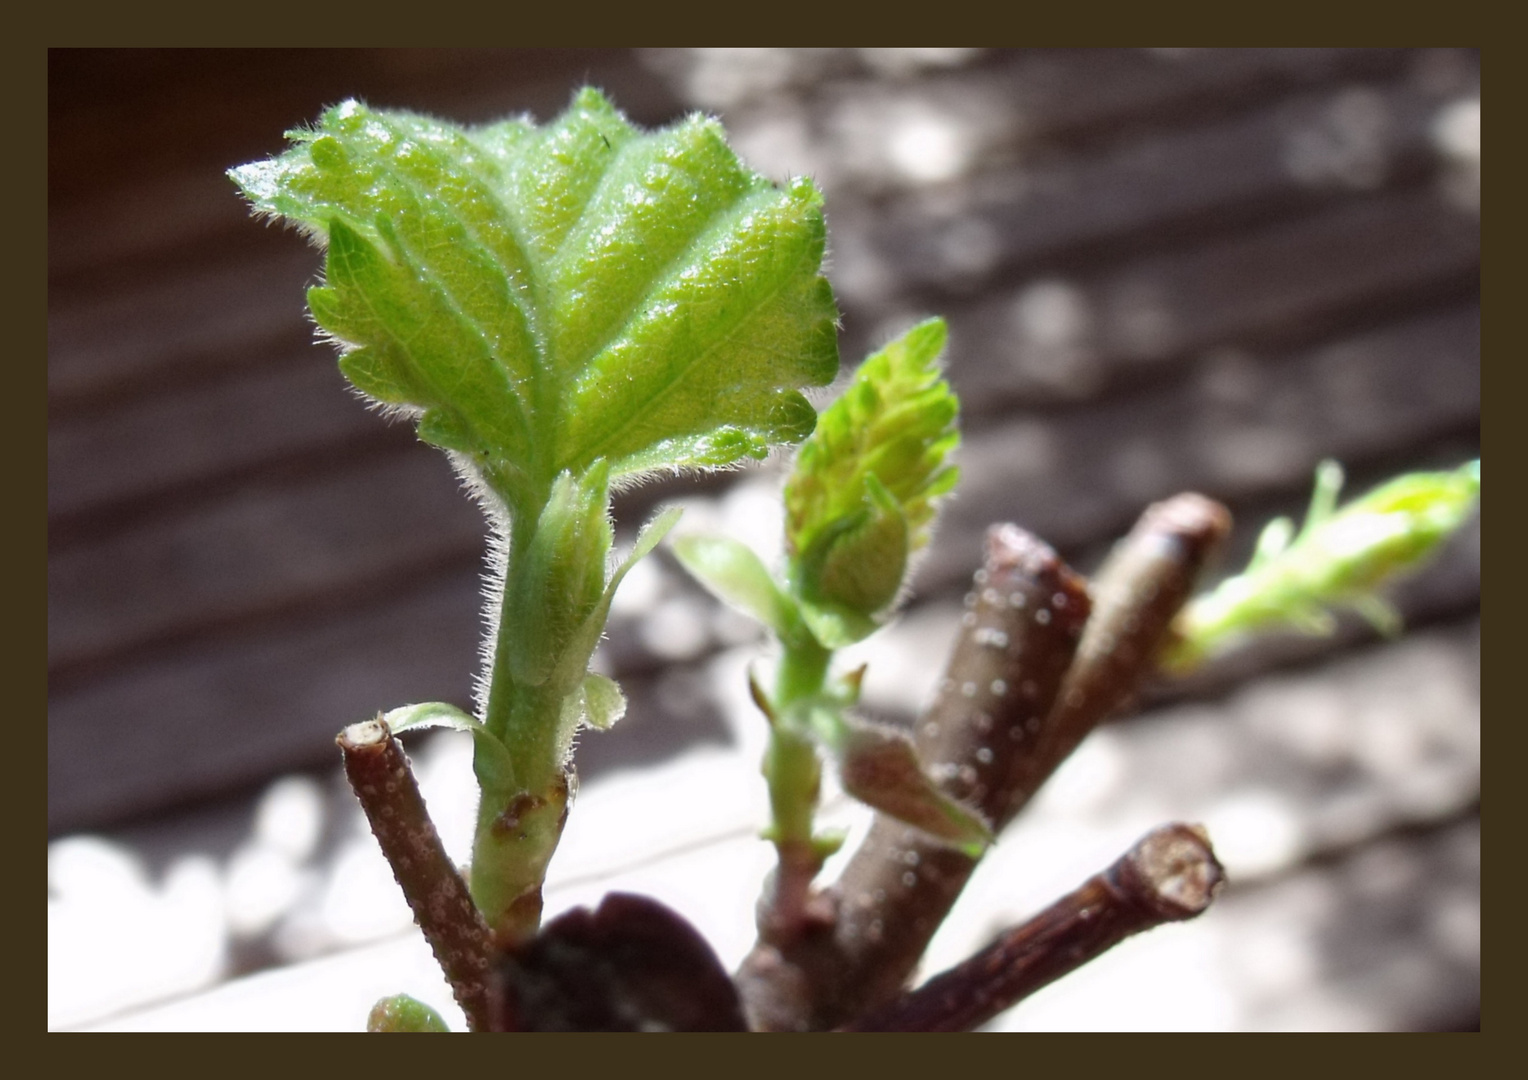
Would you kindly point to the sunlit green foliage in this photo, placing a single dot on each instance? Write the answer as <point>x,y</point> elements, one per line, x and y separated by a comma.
<point>860,500</point>
<point>559,307</point>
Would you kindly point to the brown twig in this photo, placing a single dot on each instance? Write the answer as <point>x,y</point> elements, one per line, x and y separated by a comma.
<point>1005,718</point>
<point>379,773</point>
<point>1021,628</point>
<point>1137,594</point>
<point>1169,875</point>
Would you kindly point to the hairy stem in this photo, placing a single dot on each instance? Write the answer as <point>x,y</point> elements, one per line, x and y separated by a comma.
<point>516,835</point>
<point>519,825</point>
<point>379,772</point>
<point>1169,875</point>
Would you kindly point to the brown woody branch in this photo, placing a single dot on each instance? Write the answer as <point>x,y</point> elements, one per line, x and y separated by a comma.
<point>1013,705</point>
<point>1137,594</point>
<point>379,773</point>
<point>1169,875</point>
<point>1022,624</point>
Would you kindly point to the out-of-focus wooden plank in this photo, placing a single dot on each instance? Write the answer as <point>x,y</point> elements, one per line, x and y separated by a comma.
<point>1149,191</point>
<point>192,437</point>
<point>197,321</point>
<point>234,710</point>
<point>1005,106</point>
<point>257,552</point>
<point>1231,426</point>
<point>1068,338</point>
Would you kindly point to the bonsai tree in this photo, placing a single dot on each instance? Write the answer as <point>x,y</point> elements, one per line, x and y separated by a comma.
<point>568,308</point>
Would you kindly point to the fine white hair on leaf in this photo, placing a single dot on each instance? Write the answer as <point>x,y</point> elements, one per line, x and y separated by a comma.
<point>496,567</point>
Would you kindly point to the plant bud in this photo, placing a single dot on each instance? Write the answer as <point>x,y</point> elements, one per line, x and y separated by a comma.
<point>558,580</point>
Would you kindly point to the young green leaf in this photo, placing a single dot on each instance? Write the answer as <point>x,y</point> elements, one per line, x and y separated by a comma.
<point>1340,558</point>
<point>491,763</point>
<point>734,574</point>
<point>603,702</point>
<point>862,497</point>
<point>558,307</point>
<point>541,298</point>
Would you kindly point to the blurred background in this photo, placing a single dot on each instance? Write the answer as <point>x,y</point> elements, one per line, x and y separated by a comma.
<point>1163,270</point>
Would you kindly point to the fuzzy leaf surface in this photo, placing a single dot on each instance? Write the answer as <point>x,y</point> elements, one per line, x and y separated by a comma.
<point>544,297</point>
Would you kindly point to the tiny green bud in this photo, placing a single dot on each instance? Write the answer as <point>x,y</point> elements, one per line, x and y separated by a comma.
<point>403,1013</point>
<point>859,561</point>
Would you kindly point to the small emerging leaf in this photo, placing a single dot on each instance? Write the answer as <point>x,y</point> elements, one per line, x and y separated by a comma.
<point>735,575</point>
<point>880,768</point>
<point>604,703</point>
<point>862,496</point>
<point>1340,558</point>
<point>491,761</point>
<point>429,714</point>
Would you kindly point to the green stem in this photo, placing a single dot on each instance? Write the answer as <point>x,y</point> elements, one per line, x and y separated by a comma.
<point>791,764</point>
<point>794,776</point>
<point>803,671</point>
<point>519,824</point>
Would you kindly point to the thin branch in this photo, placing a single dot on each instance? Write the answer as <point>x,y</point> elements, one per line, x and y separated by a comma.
<point>379,773</point>
<point>1023,621</point>
<point>1169,875</point>
<point>1013,705</point>
<point>1136,596</point>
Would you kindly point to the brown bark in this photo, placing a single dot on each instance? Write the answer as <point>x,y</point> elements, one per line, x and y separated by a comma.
<point>1169,875</point>
<point>1022,624</point>
<point>1019,694</point>
<point>1137,594</point>
<point>379,773</point>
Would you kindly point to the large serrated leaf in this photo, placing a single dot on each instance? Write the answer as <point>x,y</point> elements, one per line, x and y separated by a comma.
<point>545,297</point>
